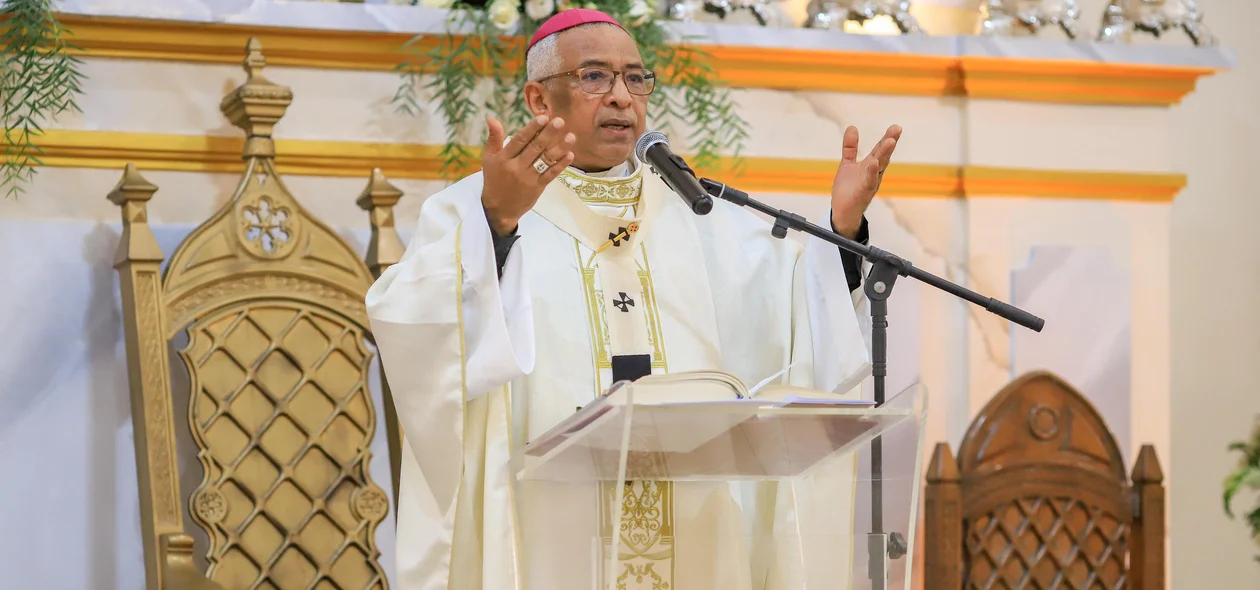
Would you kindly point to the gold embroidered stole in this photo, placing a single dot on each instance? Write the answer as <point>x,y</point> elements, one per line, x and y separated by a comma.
<point>608,219</point>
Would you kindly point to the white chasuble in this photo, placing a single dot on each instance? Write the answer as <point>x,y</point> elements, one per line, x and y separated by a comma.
<point>606,267</point>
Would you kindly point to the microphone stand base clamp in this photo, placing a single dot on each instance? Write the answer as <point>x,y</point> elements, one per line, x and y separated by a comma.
<point>881,548</point>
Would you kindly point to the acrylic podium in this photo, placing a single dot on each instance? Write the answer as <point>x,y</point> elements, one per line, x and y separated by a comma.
<point>734,495</point>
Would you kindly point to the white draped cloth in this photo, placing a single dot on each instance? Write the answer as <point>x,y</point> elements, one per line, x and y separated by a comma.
<point>479,364</point>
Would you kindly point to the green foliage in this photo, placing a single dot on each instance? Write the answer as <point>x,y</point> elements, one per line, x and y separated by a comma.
<point>1246,476</point>
<point>686,92</point>
<point>452,84</point>
<point>39,79</point>
<point>691,96</point>
<point>706,107</point>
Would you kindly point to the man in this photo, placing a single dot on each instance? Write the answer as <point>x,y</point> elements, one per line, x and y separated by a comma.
<point>561,268</point>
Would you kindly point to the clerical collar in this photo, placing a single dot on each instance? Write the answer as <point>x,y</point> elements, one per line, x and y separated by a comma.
<point>619,185</point>
<point>623,169</point>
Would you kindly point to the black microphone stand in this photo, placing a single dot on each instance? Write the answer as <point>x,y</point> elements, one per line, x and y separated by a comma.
<point>885,268</point>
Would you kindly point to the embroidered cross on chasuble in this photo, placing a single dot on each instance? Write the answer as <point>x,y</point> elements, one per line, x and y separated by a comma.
<point>628,343</point>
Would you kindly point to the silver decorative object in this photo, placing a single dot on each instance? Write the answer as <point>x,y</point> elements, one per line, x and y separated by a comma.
<point>688,10</point>
<point>1003,17</point>
<point>1122,17</point>
<point>831,14</point>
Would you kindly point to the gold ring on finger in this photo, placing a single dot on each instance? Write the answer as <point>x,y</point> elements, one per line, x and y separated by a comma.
<point>541,165</point>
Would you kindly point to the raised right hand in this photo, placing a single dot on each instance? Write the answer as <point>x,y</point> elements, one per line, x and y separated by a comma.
<point>511,183</point>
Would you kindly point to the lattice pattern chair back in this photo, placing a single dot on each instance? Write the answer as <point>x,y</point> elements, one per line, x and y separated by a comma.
<point>1038,498</point>
<point>272,303</point>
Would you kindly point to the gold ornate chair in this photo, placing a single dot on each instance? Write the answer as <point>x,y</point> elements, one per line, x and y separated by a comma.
<point>1038,498</point>
<point>271,302</point>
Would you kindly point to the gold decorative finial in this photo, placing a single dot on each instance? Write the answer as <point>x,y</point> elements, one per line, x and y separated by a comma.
<point>378,199</point>
<point>257,105</point>
<point>254,60</point>
<point>132,194</point>
<point>132,187</point>
<point>380,192</point>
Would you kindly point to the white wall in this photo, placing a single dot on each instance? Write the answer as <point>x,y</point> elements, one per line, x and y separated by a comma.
<point>1216,307</point>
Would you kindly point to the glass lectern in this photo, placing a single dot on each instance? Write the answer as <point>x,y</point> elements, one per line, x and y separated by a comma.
<point>734,495</point>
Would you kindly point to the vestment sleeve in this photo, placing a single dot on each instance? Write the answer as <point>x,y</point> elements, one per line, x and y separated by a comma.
<point>450,335</point>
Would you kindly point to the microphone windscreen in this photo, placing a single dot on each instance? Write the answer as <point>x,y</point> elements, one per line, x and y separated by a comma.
<point>648,140</point>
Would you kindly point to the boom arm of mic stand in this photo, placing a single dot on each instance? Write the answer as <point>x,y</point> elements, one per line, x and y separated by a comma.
<point>886,262</point>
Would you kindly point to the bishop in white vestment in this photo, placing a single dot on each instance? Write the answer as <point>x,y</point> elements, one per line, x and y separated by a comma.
<point>495,326</point>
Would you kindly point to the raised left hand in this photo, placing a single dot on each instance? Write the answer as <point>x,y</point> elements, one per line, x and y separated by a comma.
<point>856,182</point>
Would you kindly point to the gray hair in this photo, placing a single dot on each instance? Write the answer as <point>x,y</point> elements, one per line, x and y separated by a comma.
<point>543,59</point>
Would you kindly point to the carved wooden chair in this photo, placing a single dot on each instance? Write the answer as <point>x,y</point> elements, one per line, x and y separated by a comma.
<point>271,303</point>
<point>1038,498</point>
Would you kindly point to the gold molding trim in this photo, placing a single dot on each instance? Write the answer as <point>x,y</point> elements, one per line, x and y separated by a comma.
<point>202,153</point>
<point>350,159</point>
<point>1031,80</point>
<point>1044,80</point>
<point>985,181</point>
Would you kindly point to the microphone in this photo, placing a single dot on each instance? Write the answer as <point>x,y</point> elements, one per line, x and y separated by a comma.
<point>653,148</point>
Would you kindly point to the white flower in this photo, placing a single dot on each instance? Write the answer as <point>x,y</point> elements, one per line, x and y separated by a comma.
<point>437,3</point>
<point>504,16</point>
<point>640,13</point>
<point>539,9</point>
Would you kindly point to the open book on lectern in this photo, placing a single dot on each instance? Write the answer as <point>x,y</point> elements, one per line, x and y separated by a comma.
<point>726,399</point>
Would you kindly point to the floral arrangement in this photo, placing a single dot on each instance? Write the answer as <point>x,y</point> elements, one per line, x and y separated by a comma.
<point>1247,475</point>
<point>39,79</point>
<point>477,67</point>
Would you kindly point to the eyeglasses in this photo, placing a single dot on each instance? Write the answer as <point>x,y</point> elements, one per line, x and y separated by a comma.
<point>600,80</point>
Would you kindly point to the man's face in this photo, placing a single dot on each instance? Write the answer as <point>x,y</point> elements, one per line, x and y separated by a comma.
<point>606,125</point>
